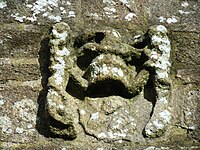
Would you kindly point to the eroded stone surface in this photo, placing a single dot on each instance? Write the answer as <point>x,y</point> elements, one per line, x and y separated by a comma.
<point>113,119</point>
<point>99,72</point>
<point>159,60</point>
<point>22,40</point>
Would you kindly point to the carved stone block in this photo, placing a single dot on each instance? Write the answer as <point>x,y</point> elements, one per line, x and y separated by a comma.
<point>98,80</point>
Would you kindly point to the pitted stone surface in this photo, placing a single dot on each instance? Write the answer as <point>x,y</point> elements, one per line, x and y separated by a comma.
<point>96,80</point>
<point>109,119</point>
<point>25,26</point>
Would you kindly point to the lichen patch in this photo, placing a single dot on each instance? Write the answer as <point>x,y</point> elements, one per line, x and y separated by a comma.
<point>40,7</point>
<point>185,4</point>
<point>2,101</point>
<point>130,16</point>
<point>6,124</point>
<point>26,110</point>
<point>166,115</point>
<point>169,20</point>
<point>3,4</point>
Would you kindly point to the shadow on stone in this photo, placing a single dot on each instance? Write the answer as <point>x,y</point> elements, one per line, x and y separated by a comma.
<point>150,91</point>
<point>44,61</point>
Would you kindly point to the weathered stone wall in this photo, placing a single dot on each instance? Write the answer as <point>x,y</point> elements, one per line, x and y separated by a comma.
<point>24,60</point>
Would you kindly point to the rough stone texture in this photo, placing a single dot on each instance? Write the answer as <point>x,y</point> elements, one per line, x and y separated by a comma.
<point>24,34</point>
<point>94,82</point>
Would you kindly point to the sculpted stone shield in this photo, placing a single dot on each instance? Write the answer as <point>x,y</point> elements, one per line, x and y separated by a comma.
<point>106,88</point>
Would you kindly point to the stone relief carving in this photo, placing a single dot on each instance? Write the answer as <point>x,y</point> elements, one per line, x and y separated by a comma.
<point>97,81</point>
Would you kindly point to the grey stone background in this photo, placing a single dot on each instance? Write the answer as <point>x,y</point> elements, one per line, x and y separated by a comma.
<point>24,30</point>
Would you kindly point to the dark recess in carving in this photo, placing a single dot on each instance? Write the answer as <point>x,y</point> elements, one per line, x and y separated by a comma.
<point>138,62</point>
<point>86,59</point>
<point>83,39</point>
<point>74,89</point>
<point>108,88</point>
<point>142,42</point>
<point>100,89</point>
<point>99,37</point>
